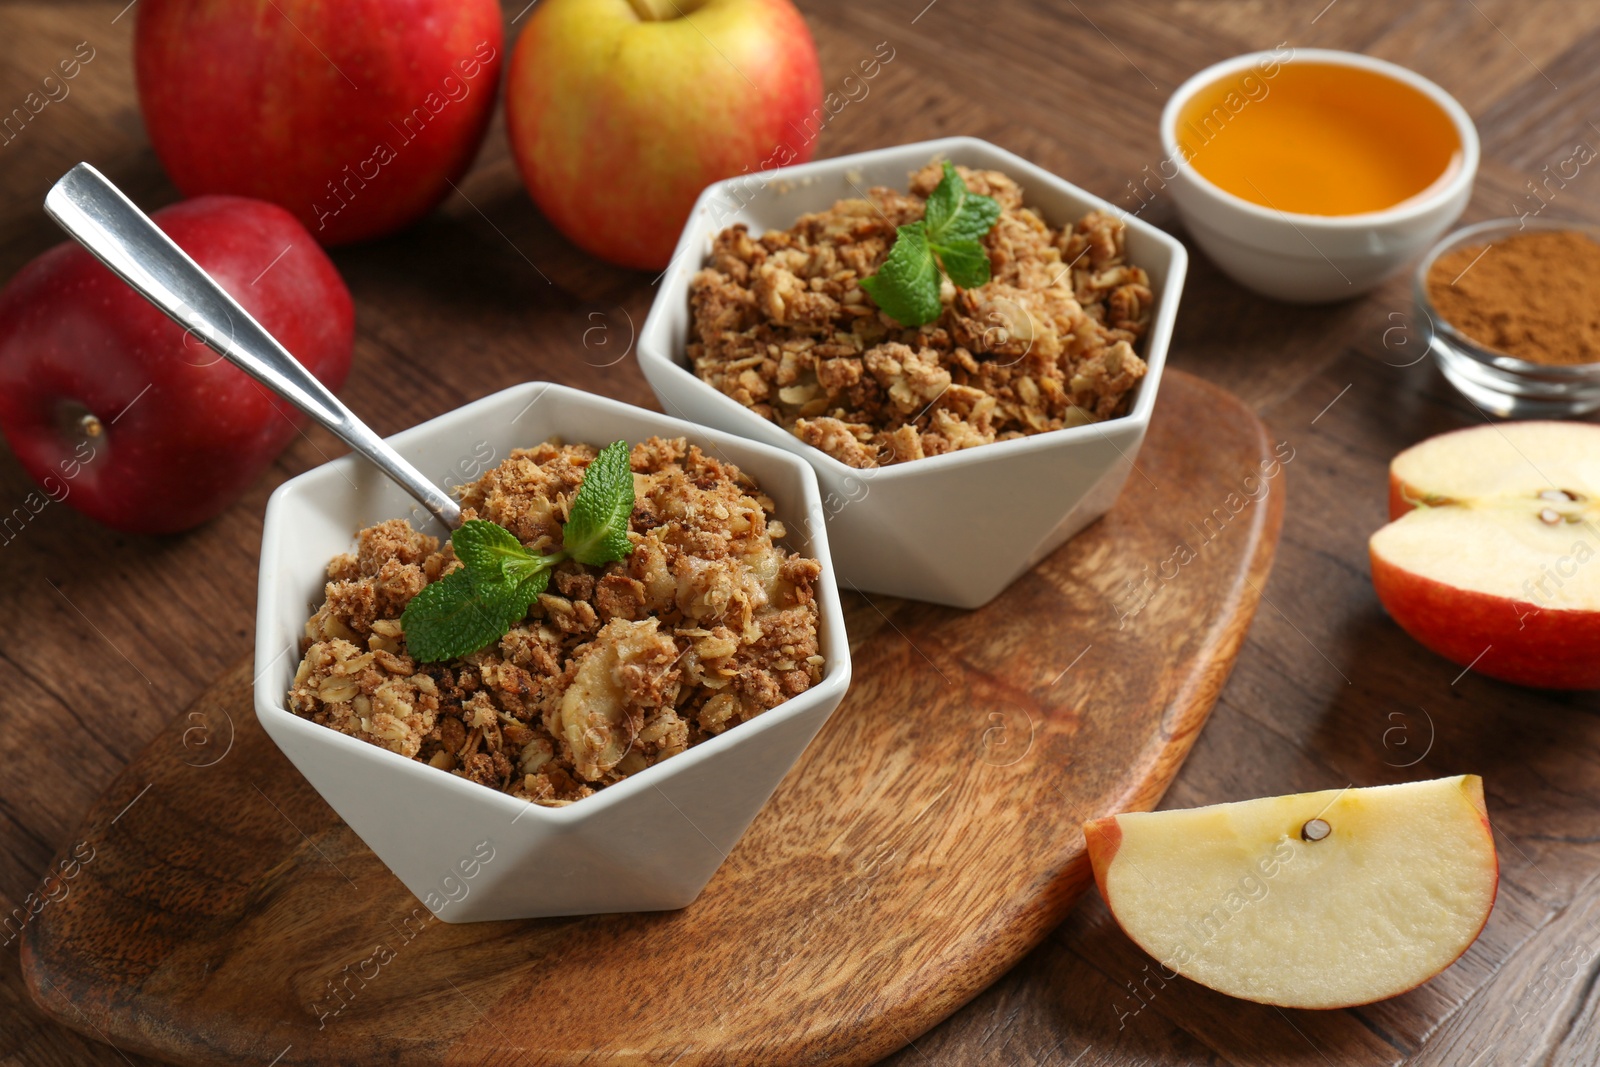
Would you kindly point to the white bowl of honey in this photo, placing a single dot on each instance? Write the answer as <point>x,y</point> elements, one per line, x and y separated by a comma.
<point>1311,175</point>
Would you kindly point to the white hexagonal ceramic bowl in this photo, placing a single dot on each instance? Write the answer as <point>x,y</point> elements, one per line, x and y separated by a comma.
<point>650,842</point>
<point>954,529</point>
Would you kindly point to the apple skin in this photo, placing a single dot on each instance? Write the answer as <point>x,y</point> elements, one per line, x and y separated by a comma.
<point>617,123</point>
<point>1102,837</point>
<point>182,432</point>
<point>1546,648</point>
<point>238,100</point>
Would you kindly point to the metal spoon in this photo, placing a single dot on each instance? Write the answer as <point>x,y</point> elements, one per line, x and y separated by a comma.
<point>103,220</point>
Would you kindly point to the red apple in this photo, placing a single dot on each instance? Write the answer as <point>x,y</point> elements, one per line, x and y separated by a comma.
<point>1314,900</point>
<point>1491,558</point>
<point>118,412</point>
<point>355,115</point>
<point>620,113</point>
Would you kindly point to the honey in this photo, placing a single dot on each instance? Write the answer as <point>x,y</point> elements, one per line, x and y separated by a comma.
<point>1318,138</point>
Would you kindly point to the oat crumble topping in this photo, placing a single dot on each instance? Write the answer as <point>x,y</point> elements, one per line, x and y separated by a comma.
<point>782,325</point>
<point>707,624</point>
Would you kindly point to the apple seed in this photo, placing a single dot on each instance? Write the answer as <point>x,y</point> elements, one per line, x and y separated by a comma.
<point>1550,516</point>
<point>1315,830</point>
<point>1556,494</point>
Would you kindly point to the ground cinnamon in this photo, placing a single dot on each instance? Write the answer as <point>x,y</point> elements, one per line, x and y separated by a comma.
<point>1535,296</point>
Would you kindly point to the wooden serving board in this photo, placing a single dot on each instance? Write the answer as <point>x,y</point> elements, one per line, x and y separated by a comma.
<point>928,838</point>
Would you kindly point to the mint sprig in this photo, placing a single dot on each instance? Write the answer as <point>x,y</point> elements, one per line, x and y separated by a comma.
<point>948,238</point>
<point>500,578</point>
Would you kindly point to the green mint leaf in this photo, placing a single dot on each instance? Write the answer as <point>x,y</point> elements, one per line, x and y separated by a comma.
<point>454,616</point>
<point>451,618</point>
<point>509,601</point>
<point>489,551</point>
<point>953,214</point>
<point>965,261</point>
<point>597,530</point>
<point>528,590</point>
<point>906,287</point>
<point>520,570</point>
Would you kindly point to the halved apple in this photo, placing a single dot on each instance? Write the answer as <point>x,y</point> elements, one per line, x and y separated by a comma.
<point>1490,558</point>
<point>1317,900</point>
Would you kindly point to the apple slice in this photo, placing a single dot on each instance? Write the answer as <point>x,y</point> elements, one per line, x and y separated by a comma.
<point>1317,900</point>
<point>1490,558</point>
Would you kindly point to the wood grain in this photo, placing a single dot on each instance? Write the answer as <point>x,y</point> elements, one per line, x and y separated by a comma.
<point>221,913</point>
<point>453,309</point>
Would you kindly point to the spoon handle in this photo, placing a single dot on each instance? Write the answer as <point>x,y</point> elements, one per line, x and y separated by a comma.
<point>108,224</point>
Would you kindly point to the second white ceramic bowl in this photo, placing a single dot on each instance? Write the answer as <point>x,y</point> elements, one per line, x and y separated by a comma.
<point>647,843</point>
<point>953,529</point>
<point>1313,259</point>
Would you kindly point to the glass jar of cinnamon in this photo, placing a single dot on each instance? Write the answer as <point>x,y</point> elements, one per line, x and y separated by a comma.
<point>1513,317</point>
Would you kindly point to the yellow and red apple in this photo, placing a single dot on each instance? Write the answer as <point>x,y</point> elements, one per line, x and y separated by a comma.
<point>1490,557</point>
<point>621,111</point>
<point>1316,900</point>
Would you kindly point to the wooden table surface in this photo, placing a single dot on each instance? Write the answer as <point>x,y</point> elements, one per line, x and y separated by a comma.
<point>104,638</point>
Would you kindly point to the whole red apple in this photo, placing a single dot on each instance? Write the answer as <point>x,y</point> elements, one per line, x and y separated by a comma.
<point>114,409</point>
<point>620,113</point>
<point>355,115</point>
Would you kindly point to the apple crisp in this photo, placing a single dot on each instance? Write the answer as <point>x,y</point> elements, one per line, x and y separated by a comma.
<point>782,325</point>
<point>705,625</point>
